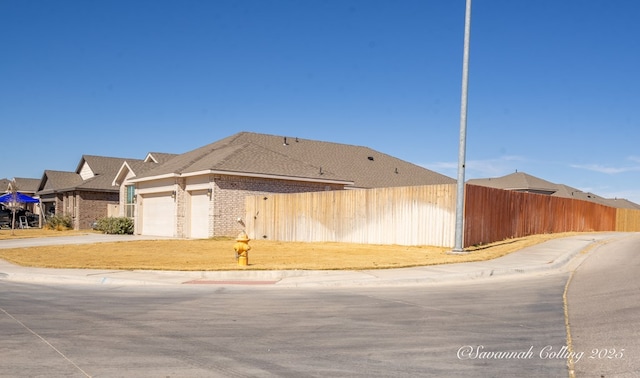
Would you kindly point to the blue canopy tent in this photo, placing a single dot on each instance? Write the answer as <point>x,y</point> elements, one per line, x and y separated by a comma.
<point>12,200</point>
<point>17,198</point>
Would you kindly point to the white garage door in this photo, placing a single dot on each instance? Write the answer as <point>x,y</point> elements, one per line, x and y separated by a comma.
<point>158,215</point>
<point>199,219</point>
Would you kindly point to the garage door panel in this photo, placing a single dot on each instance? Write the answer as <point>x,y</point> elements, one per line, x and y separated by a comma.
<point>199,215</point>
<point>158,214</point>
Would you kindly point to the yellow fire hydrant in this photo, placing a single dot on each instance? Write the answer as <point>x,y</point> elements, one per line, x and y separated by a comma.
<point>242,248</point>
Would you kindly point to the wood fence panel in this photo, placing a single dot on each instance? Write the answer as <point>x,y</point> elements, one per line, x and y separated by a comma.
<point>628,220</point>
<point>425,215</point>
<point>495,214</point>
<point>416,215</point>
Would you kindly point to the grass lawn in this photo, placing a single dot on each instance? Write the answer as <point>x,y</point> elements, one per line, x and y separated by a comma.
<point>218,254</point>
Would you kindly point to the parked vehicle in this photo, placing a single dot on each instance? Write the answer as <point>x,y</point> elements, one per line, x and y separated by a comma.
<point>6,216</point>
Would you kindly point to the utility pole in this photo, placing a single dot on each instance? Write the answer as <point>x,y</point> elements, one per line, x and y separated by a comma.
<point>458,247</point>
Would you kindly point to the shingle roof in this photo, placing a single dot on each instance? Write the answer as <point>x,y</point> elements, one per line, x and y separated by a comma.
<point>27,185</point>
<point>4,185</point>
<point>622,203</point>
<point>138,166</point>
<point>159,157</point>
<point>516,181</point>
<point>101,165</point>
<point>252,153</point>
<point>104,169</point>
<point>58,180</point>
<point>521,181</point>
<point>565,191</point>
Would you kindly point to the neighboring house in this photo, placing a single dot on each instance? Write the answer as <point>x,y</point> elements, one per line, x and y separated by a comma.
<point>129,170</point>
<point>201,193</point>
<point>85,195</point>
<point>27,186</point>
<point>622,203</point>
<point>522,182</point>
<point>519,182</point>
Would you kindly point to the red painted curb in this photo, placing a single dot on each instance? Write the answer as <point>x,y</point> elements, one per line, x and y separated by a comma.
<point>205,282</point>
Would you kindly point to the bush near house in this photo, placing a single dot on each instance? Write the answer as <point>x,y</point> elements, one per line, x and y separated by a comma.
<point>59,223</point>
<point>115,225</point>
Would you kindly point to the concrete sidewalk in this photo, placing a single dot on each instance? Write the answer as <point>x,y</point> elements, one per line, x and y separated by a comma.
<point>551,255</point>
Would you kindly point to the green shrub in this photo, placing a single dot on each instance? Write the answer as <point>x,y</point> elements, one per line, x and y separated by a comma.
<point>59,223</point>
<point>115,225</point>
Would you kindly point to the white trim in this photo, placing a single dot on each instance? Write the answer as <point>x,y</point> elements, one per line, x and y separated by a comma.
<point>150,158</point>
<point>152,178</point>
<point>244,174</point>
<point>116,181</point>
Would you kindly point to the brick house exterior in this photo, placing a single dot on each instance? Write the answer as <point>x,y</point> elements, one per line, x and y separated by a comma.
<point>84,195</point>
<point>201,193</point>
<point>229,193</point>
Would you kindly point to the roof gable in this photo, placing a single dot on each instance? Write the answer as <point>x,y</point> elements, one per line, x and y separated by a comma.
<point>100,165</point>
<point>58,180</point>
<point>158,157</point>
<point>94,173</point>
<point>131,168</point>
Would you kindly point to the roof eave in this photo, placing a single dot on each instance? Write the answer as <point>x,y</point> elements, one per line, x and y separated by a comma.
<point>245,174</point>
<point>121,176</point>
<point>268,176</point>
<point>152,178</point>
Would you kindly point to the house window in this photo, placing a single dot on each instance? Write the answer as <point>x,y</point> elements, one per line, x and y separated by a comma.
<point>130,202</point>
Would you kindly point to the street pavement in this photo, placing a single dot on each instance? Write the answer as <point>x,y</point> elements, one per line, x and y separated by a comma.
<point>553,255</point>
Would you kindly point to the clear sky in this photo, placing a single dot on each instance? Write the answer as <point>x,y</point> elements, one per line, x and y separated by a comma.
<point>553,90</point>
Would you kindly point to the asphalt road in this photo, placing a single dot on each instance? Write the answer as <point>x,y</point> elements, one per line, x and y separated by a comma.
<point>604,308</point>
<point>209,331</point>
<point>503,327</point>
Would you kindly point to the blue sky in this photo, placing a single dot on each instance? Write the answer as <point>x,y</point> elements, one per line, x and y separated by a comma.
<point>553,87</point>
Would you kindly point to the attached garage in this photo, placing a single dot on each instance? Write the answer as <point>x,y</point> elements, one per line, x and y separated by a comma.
<point>199,214</point>
<point>158,214</point>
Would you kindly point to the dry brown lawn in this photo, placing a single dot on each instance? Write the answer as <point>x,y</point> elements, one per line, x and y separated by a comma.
<point>218,254</point>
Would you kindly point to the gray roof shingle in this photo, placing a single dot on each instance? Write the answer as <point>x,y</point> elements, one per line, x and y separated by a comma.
<point>296,158</point>
<point>517,181</point>
<point>53,181</point>
<point>104,169</point>
<point>4,185</point>
<point>27,185</point>
<point>521,181</point>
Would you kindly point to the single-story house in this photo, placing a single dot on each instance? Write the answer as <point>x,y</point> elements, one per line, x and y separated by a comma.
<point>523,182</point>
<point>26,186</point>
<point>201,193</point>
<point>86,195</point>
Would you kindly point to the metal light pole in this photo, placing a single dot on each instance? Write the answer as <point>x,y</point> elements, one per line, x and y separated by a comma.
<point>458,247</point>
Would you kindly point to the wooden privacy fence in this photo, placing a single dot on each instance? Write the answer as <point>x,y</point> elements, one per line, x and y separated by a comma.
<point>628,220</point>
<point>425,215</point>
<point>415,215</point>
<point>496,214</point>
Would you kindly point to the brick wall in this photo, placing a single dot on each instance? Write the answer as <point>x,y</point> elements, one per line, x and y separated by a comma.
<point>91,206</point>
<point>230,191</point>
<point>181,203</point>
